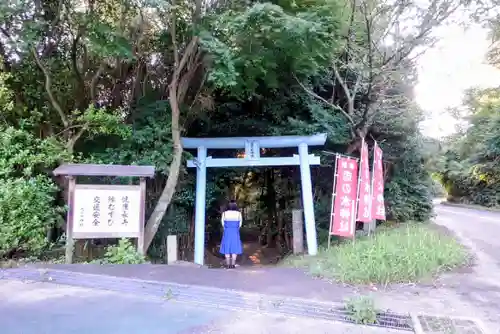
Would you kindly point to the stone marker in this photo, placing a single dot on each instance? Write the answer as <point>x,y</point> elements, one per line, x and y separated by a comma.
<point>171,249</point>
<point>298,231</point>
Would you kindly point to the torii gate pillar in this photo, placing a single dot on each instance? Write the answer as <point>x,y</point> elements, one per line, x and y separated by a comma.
<point>252,146</point>
<point>200,208</point>
<point>307,200</point>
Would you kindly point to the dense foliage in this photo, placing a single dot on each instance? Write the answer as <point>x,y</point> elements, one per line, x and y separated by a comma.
<point>120,81</point>
<point>28,206</point>
<point>470,168</point>
<point>467,163</point>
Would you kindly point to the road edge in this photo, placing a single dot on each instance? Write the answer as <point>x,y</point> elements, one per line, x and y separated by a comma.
<point>469,206</point>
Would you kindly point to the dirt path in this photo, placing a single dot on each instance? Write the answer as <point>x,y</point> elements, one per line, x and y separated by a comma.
<point>254,255</point>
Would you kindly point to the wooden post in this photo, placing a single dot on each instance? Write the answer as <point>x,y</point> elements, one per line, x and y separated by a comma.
<point>171,249</point>
<point>334,193</point>
<point>69,220</point>
<point>140,238</point>
<point>297,231</point>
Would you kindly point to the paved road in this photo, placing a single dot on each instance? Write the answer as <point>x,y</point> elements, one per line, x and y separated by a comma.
<point>481,228</point>
<point>39,308</point>
<point>47,308</point>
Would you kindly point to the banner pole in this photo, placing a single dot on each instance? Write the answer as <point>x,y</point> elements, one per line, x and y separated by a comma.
<point>371,191</point>
<point>356,209</point>
<point>346,156</point>
<point>333,200</point>
<point>353,223</point>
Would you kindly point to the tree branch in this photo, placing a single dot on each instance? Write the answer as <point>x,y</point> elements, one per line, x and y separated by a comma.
<point>3,54</point>
<point>371,78</point>
<point>429,22</point>
<point>69,128</point>
<point>74,48</point>
<point>331,105</point>
<point>72,141</point>
<point>186,79</point>
<point>48,89</point>
<point>94,81</point>
<point>350,98</point>
<point>173,35</point>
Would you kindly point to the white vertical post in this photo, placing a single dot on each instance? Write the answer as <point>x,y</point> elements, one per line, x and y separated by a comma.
<point>171,249</point>
<point>307,200</point>
<point>298,231</point>
<point>199,223</point>
<point>371,225</point>
<point>356,207</point>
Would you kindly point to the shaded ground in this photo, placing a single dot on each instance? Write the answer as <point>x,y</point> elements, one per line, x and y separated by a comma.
<point>267,280</point>
<point>254,255</point>
<point>46,308</point>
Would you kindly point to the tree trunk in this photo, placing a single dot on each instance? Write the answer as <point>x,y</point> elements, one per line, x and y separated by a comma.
<point>279,236</point>
<point>173,174</point>
<point>271,205</point>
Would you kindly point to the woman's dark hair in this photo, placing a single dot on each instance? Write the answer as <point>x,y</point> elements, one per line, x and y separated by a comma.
<point>232,206</point>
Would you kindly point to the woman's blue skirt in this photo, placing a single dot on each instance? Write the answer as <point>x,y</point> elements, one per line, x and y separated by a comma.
<point>231,242</point>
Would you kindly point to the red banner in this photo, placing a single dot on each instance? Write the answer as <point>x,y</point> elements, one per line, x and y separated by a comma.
<point>364,200</point>
<point>344,204</point>
<point>378,205</point>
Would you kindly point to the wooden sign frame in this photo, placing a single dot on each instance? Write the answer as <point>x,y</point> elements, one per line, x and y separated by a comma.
<point>71,171</point>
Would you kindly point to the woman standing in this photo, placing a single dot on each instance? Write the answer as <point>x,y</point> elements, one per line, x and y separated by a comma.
<point>231,243</point>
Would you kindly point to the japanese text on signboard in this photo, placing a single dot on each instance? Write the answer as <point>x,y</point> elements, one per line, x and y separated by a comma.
<point>345,192</point>
<point>378,206</point>
<point>110,209</point>
<point>364,201</point>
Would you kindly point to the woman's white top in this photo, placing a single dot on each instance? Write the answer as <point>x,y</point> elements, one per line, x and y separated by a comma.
<point>231,215</point>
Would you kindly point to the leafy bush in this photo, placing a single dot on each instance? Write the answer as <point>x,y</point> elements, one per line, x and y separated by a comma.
<point>24,155</point>
<point>123,253</point>
<point>27,195</point>
<point>27,211</point>
<point>402,254</point>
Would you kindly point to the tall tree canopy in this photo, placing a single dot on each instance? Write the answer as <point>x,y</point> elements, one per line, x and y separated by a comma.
<point>467,163</point>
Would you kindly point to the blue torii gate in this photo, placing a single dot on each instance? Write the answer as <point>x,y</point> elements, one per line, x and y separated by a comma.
<point>252,146</point>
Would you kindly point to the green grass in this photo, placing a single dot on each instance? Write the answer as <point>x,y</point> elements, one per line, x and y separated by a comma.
<point>406,253</point>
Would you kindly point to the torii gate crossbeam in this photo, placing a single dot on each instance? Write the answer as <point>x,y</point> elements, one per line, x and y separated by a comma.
<point>252,146</point>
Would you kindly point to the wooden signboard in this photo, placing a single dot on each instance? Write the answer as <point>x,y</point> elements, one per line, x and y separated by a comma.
<point>105,211</point>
